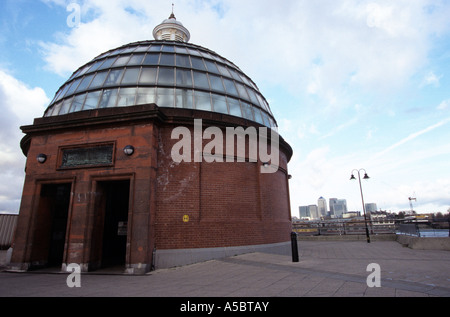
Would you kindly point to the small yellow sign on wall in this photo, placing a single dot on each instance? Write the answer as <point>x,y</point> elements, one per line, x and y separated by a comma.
<point>185,218</point>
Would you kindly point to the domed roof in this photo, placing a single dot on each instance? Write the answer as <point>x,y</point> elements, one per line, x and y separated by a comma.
<point>171,29</point>
<point>172,74</point>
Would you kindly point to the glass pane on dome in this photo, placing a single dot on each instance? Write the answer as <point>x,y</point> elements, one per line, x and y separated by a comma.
<point>211,67</point>
<point>121,61</point>
<point>235,75</point>
<point>56,108</point>
<point>167,60</point>
<point>131,76</point>
<point>155,48</point>
<point>193,51</point>
<point>114,77</point>
<point>77,103</point>
<point>126,97</point>
<point>85,83</point>
<point>247,111</point>
<point>129,50</point>
<point>216,83</point>
<point>266,119</point>
<point>202,101</point>
<point>245,80</point>
<point>95,66</point>
<point>206,55</point>
<point>183,61</point>
<point>184,98</point>
<point>201,80</point>
<point>268,108</point>
<point>235,107</point>
<point>63,92</point>
<point>242,91</point>
<point>151,59</point>
<point>165,97</point>
<point>108,99</point>
<point>117,51</point>
<point>148,76</point>
<point>230,87</point>
<point>136,59</point>
<point>145,96</point>
<point>143,48</point>
<point>107,63</point>
<point>166,76</point>
<point>252,95</point>
<point>99,79</point>
<point>179,49</point>
<point>273,124</point>
<point>76,73</point>
<point>261,102</point>
<point>258,116</point>
<point>184,78</point>
<point>223,70</point>
<point>92,100</point>
<point>168,48</point>
<point>220,103</point>
<point>65,106</point>
<point>197,63</point>
<point>73,87</point>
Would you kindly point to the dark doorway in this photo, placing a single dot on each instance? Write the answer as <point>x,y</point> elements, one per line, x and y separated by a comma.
<point>115,201</point>
<point>52,223</point>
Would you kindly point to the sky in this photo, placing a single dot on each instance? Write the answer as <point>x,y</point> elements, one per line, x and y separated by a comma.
<point>353,84</point>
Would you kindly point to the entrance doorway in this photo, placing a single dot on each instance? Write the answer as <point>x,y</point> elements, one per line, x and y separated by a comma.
<point>51,226</point>
<point>113,202</point>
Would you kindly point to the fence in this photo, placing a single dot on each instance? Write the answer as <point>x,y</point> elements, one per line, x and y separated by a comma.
<point>312,228</point>
<point>411,229</point>
<point>7,228</point>
<point>358,227</point>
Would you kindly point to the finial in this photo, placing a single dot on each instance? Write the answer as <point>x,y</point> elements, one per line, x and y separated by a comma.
<point>171,30</point>
<point>172,16</point>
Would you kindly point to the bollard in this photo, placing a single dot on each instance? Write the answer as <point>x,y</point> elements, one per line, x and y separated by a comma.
<point>294,247</point>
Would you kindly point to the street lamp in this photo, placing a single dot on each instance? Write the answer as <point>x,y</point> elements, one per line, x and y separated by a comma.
<point>362,198</point>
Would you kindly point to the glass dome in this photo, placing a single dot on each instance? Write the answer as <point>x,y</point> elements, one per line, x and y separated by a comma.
<point>168,73</point>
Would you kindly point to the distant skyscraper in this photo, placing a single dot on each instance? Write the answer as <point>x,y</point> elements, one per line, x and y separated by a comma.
<point>337,207</point>
<point>313,211</point>
<point>340,207</point>
<point>304,212</point>
<point>371,207</point>
<point>322,206</point>
<point>333,201</point>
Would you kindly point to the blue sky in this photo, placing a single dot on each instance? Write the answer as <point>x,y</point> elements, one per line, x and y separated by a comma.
<point>352,83</point>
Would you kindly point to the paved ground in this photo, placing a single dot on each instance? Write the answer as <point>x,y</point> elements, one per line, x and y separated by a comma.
<point>326,268</point>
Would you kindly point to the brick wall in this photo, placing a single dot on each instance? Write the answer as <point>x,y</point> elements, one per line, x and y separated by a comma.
<point>228,204</point>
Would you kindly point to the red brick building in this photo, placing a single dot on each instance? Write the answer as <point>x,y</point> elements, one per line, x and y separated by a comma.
<point>102,187</point>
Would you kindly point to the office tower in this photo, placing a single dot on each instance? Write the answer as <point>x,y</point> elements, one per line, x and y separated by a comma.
<point>322,206</point>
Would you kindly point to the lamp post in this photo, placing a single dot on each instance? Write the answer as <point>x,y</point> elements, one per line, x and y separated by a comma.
<point>362,197</point>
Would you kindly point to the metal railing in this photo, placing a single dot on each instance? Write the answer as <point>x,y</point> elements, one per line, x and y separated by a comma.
<point>312,228</point>
<point>357,227</point>
<point>410,229</point>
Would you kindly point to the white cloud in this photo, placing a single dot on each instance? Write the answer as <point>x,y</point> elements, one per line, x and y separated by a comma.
<point>431,79</point>
<point>444,105</point>
<point>410,137</point>
<point>19,105</point>
<point>316,45</point>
